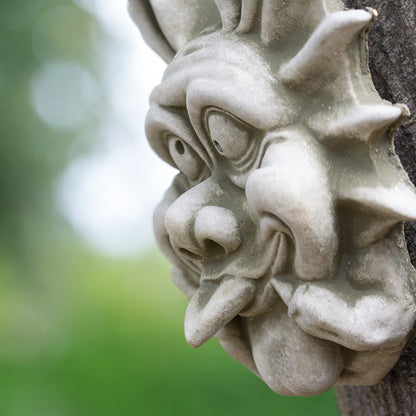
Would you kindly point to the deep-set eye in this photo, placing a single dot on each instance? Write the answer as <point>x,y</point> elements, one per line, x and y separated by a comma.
<point>230,137</point>
<point>185,158</point>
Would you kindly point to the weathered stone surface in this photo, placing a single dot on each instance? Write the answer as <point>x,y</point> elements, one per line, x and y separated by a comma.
<point>392,44</point>
<point>284,223</point>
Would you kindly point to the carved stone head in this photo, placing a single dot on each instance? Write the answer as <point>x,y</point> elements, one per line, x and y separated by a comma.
<point>284,224</point>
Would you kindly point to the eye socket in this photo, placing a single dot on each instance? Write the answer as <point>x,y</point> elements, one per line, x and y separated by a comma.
<point>230,137</point>
<point>185,158</point>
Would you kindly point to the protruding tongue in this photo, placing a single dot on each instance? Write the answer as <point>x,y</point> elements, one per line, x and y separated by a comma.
<point>213,306</point>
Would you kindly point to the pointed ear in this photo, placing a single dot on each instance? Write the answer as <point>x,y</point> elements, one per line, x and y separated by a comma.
<point>167,25</point>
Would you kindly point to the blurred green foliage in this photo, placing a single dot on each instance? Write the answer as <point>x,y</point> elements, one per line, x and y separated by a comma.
<point>32,154</point>
<point>83,334</point>
<point>105,337</point>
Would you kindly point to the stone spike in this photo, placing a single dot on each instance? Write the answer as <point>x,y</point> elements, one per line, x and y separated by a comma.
<point>398,201</point>
<point>321,54</point>
<point>359,122</point>
<point>230,11</point>
<point>249,15</point>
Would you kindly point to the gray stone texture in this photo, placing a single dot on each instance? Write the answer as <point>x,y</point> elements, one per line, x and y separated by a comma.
<point>392,47</point>
<point>284,223</point>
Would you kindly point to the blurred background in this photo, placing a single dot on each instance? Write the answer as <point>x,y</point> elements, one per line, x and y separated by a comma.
<point>90,323</point>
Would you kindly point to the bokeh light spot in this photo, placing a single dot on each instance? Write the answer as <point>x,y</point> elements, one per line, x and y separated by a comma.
<point>62,94</point>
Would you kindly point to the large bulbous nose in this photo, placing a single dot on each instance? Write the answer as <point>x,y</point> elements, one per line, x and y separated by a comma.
<point>200,230</point>
<point>216,230</point>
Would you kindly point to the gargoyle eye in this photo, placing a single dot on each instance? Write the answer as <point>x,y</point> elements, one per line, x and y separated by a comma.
<point>185,158</point>
<point>230,137</point>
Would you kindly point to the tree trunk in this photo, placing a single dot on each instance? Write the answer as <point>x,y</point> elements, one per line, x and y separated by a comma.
<point>392,44</point>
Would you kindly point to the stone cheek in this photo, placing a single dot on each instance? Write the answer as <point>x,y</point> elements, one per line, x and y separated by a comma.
<point>284,223</point>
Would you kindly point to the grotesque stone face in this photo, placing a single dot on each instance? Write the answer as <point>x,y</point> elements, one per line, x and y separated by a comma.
<point>284,223</point>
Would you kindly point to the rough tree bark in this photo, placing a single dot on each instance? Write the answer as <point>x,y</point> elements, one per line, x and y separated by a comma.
<point>392,44</point>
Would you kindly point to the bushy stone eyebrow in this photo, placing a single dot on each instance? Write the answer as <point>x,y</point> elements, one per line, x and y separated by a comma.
<point>170,120</point>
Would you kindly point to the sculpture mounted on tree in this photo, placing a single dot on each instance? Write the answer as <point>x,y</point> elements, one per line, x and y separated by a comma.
<point>285,221</point>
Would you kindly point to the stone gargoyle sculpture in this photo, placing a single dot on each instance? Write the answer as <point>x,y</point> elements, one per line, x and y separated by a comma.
<point>284,224</point>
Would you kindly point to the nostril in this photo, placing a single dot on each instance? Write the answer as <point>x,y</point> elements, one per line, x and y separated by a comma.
<point>198,234</point>
<point>213,249</point>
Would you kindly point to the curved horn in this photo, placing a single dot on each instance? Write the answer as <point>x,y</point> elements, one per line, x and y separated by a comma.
<point>142,14</point>
<point>358,122</point>
<point>321,54</point>
<point>167,25</point>
<point>397,201</point>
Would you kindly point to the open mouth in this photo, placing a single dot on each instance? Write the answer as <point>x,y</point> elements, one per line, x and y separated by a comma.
<point>222,296</point>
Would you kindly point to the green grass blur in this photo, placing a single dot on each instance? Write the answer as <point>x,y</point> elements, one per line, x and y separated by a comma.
<point>82,334</point>
<point>102,337</point>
